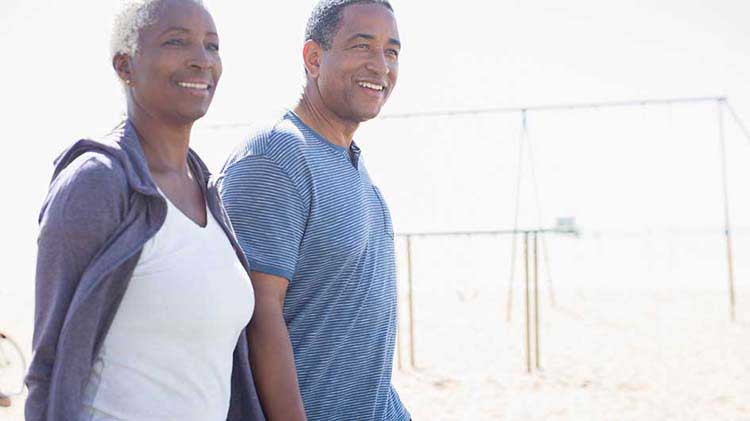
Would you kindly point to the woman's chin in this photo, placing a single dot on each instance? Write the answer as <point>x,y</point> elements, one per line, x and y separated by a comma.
<point>191,115</point>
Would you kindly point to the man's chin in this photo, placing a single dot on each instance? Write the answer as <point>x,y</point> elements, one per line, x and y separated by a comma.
<point>367,114</point>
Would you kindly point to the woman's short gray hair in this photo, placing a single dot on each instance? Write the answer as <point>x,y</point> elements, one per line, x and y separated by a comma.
<point>133,16</point>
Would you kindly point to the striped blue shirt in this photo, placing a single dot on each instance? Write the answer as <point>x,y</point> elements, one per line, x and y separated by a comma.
<point>306,210</point>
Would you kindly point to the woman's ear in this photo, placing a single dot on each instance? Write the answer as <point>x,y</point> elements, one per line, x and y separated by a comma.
<point>121,64</point>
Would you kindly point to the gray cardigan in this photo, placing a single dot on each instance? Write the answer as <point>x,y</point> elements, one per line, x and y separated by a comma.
<point>101,208</point>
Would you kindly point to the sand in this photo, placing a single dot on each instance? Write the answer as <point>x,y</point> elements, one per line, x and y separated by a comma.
<point>610,349</point>
<point>605,355</point>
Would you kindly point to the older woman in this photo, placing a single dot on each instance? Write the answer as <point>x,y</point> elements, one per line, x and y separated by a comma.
<point>142,293</point>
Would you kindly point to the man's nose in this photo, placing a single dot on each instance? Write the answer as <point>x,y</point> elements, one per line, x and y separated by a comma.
<point>378,63</point>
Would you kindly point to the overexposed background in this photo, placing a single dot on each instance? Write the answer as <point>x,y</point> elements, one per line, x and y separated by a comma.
<point>643,182</point>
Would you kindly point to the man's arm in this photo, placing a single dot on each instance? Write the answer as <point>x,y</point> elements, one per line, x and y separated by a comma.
<point>269,217</point>
<point>271,353</point>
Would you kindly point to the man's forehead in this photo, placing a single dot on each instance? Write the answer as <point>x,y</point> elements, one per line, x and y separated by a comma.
<point>370,19</point>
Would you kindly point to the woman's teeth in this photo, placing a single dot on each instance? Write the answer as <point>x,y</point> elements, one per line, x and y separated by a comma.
<point>189,85</point>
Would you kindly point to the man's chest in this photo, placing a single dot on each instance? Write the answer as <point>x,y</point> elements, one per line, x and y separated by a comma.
<point>347,215</point>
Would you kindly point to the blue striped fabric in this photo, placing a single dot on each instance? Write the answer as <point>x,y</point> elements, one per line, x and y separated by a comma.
<point>306,210</point>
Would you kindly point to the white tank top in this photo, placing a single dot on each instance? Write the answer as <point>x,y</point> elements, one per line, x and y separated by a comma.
<point>168,354</point>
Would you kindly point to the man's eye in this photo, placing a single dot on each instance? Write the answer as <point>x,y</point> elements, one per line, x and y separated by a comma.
<point>213,46</point>
<point>175,42</point>
<point>392,52</point>
<point>361,46</point>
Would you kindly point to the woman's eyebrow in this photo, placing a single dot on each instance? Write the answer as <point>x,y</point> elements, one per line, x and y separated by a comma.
<point>182,29</point>
<point>175,29</point>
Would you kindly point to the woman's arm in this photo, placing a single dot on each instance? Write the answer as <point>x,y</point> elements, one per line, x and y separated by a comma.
<point>86,203</point>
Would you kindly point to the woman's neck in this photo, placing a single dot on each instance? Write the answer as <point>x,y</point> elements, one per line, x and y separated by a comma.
<point>164,145</point>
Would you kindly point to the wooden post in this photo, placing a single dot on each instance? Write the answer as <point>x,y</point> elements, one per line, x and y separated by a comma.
<point>513,247</point>
<point>412,333</point>
<point>399,341</point>
<point>528,306</point>
<point>536,299</point>
<point>727,220</point>
<point>545,253</point>
<point>511,279</point>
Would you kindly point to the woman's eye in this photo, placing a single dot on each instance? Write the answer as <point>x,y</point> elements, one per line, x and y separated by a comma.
<point>175,42</point>
<point>213,47</point>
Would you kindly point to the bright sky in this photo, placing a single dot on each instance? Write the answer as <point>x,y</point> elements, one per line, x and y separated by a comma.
<point>632,168</point>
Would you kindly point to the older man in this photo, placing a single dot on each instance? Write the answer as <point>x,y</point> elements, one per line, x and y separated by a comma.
<point>318,233</point>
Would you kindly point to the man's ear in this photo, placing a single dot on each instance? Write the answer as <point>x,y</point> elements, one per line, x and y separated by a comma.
<point>311,54</point>
<point>121,64</point>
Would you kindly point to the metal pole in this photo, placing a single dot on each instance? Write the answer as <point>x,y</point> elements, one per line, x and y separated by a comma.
<point>509,110</point>
<point>411,303</point>
<point>737,120</point>
<point>536,299</point>
<point>512,278</point>
<point>539,215</point>
<point>551,107</point>
<point>528,307</point>
<point>727,220</point>
<point>427,234</point>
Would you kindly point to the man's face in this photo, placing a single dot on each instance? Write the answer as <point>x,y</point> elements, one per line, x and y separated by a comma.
<point>359,71</point>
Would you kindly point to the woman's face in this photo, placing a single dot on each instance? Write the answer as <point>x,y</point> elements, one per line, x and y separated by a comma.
<point>174,74</point>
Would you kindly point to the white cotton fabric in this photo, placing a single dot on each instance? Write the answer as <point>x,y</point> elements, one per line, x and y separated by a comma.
<point>168,353</point>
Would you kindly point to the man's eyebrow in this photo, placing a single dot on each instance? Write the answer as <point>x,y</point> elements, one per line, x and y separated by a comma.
<point>393,41</point>
<point>360,35</point>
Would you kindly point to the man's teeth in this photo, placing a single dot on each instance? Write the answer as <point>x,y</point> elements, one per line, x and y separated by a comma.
<point>193,85</point>
<point>371,86</point>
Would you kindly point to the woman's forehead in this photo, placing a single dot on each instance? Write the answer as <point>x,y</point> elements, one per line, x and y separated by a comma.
<point>181,14</point>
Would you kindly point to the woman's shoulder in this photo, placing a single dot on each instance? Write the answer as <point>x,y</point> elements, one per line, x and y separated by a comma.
<point>92,169</point>
<point>86,180</point>
<point>99,161</point>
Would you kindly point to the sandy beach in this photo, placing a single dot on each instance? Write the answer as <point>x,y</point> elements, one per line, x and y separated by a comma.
<point>605,355</point>
<point>610,349</point>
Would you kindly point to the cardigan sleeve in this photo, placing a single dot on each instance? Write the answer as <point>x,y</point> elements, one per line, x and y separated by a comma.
<point>86,203</point>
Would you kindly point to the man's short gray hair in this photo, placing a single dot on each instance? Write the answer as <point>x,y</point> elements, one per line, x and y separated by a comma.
<point>326,16</point>
<point>133,16</point>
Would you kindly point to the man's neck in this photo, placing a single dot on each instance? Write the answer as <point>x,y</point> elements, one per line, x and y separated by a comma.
<point>165,146</point>
<point>318,117</point>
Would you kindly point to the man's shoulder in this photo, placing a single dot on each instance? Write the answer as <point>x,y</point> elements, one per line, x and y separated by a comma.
<point>282,142</point>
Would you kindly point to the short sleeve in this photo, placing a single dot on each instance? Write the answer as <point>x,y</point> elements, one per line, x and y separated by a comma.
<point>266,212</point>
